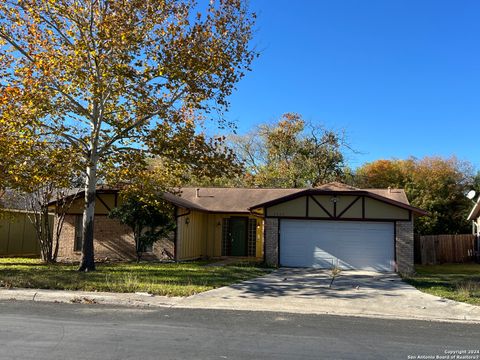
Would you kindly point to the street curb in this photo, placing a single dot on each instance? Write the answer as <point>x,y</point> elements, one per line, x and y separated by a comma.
<point>143,300</point>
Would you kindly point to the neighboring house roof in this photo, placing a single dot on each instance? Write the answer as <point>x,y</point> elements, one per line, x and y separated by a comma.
<point>475,213</point>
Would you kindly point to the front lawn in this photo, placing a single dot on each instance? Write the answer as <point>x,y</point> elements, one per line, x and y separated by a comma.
<point>171,279</point>
<point>460,282</point>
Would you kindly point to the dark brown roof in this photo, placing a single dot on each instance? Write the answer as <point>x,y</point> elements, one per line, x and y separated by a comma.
<point>232,199</point>
<point>181,202</point>
<point>246,199</point>
<point>336,186</point>
<point>243,200</point>
<point>392,194</point>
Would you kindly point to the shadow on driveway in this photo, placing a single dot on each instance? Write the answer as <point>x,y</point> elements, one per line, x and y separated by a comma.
<point>314,283</point>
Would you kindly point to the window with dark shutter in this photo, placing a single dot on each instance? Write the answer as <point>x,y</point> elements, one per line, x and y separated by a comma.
<point>252,237</point>
<point>77,245</point>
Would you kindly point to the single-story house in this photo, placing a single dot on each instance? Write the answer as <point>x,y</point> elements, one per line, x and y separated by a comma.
<point>17,233</point>
<point>331,225</point>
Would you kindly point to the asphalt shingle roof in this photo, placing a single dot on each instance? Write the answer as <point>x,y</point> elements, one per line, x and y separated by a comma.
<point>242,199</point>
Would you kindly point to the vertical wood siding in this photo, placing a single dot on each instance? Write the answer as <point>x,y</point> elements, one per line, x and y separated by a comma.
<point>202,235</point>
<point>17,236</point>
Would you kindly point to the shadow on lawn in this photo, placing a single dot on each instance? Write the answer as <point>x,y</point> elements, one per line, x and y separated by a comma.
<point>67,277</point>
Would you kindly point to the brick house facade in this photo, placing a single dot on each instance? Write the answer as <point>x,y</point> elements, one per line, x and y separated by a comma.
<point>332,224</point>
<point>113,241</point>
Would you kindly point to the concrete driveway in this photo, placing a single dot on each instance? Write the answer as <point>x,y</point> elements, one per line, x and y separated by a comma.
<point>304,291</point>
<point>355,293</point>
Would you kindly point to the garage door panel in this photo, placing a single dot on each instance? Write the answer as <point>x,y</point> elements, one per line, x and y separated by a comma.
<point>349,245</point>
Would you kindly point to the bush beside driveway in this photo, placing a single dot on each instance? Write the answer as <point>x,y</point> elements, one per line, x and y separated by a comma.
<point>169,279</point>
<point>459,282</point>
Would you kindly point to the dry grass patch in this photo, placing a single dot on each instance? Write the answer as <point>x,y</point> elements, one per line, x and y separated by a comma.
<point>459,282</point>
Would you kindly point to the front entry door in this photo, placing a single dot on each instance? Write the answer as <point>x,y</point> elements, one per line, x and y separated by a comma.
<point>238,236</point>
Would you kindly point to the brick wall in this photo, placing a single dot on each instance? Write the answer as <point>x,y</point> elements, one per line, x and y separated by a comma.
<point>271,241</point>
<point>112,241</point>
<point>404,247</point>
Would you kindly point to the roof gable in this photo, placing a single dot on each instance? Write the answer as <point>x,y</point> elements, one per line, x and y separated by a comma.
<point>396,197</point>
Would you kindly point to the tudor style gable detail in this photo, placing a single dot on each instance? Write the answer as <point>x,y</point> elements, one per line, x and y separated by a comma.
<point>338,207</point>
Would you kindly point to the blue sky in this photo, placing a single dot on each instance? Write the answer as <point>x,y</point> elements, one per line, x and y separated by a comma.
<point>401,77</point>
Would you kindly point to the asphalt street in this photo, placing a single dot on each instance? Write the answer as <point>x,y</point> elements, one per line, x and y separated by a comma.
<point>34,330</point>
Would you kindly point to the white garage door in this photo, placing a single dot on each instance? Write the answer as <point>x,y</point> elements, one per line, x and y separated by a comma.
<point>347,244</point>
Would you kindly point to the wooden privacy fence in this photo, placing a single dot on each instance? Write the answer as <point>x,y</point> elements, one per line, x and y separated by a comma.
<point>17,235</point>
<point>439,249</point>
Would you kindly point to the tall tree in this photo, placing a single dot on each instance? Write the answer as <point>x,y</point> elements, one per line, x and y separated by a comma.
<point>290,153</point>
<point>39,170</point>
<point>113,77</point>
<point>435,184</point>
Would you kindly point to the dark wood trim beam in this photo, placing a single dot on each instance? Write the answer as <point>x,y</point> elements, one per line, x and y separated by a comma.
<point>363,207</point>
<point>306,207</point>
<point>349,206</point>
<point>334,219</point>
<point>321,206</point>
<point>103,202</point>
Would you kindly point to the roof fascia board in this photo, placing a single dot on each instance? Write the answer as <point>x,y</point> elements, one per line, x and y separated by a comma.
<point>312,192</point>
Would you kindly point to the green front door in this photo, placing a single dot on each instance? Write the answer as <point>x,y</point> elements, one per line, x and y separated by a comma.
<point>238,236</point>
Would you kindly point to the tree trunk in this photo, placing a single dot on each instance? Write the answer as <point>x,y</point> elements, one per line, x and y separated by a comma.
<point>88,261</point>
<point>48,233</point>
<point>58,224</point>
<point>137,235</point>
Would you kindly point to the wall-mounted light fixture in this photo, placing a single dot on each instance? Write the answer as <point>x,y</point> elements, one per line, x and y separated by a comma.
<point>187,220</point>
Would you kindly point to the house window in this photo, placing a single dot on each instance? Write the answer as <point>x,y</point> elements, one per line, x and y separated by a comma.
<point>146,248</point>
<point>252,237</point>
<point>77,245</point>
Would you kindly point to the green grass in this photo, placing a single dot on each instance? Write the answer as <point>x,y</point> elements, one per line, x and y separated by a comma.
<point>460,282</point>
<point>170,279</point>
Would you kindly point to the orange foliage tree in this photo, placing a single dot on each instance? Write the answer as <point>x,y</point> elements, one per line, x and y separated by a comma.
<point>435,184</point>
<point>112,78</point>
